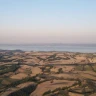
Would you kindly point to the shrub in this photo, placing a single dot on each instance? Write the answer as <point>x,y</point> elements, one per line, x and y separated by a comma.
<point>60,70</point>
<point>47,92</point>
<point>7,69</point>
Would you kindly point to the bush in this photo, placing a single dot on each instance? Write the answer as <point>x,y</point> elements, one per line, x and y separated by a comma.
<point>60,70</point>
<point>13,84</point>
<point>57,89</point>
<point>6,69</point>
<point>47,92</point>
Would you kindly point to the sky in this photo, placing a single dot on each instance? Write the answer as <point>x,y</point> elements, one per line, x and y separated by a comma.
<point>47,21</point>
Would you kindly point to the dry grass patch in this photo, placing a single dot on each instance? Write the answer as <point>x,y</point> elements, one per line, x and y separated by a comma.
<point>43,87</point>
<point>35,71</point>
<point>19,76</point>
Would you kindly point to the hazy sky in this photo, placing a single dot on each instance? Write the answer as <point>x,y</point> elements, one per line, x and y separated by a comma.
<point>47,21</point>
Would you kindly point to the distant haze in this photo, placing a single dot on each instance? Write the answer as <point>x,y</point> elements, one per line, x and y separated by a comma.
<point>47,21</point>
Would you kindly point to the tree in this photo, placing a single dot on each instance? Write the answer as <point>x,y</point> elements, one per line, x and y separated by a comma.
<point>60,70</point>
